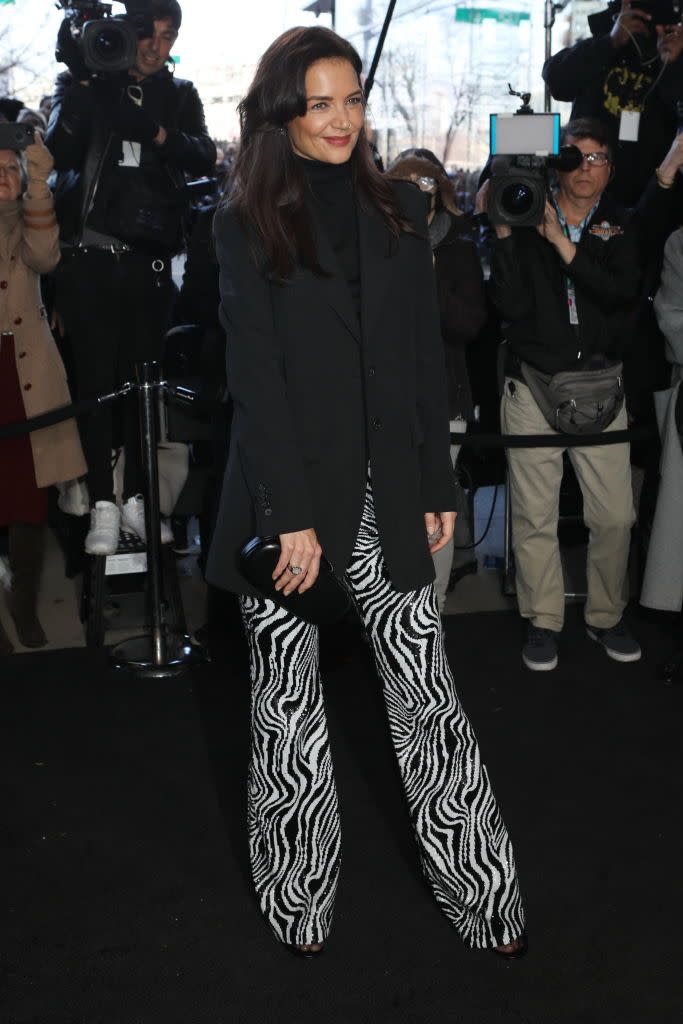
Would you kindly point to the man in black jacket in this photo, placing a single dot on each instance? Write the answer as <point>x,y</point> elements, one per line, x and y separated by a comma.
<point>566,292</point>
<point>123,146</point>
<point>629,75</point>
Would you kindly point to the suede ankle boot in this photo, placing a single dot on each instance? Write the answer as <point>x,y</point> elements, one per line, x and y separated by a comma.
<point>26,547</point>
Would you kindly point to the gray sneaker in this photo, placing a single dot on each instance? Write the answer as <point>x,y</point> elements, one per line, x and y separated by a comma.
<point>540,650</point>
<point>617,641</point>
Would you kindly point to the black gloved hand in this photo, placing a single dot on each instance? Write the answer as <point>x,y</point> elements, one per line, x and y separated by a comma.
<point>68,52</point>
<point>130,121</point>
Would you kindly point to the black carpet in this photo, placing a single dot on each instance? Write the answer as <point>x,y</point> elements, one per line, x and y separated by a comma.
<point>126,880</point>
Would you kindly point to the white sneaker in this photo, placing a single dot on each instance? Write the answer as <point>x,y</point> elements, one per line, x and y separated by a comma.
<point>133,520</point>
<point>103,535</point>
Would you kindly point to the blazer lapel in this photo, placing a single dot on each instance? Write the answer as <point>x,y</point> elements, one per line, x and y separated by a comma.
<point>335,288</point>
<point>376,265</point>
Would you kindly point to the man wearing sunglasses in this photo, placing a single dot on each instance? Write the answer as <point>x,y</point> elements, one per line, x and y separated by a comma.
<point>566,291</point>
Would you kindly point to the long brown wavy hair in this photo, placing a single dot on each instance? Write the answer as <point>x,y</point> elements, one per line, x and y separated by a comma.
<point>268,187</point>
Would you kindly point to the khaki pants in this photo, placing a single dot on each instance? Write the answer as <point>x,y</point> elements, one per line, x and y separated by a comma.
<point>535,475</point>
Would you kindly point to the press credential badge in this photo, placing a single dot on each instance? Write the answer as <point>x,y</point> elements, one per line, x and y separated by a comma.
<point>629,124</point>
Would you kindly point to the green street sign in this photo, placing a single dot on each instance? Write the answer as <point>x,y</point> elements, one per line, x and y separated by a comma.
<point>475,15</point>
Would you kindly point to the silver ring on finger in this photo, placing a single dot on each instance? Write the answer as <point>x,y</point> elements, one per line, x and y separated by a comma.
<point>295,570</point>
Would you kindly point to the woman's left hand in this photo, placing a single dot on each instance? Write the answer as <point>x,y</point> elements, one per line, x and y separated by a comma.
<point>439,526</point>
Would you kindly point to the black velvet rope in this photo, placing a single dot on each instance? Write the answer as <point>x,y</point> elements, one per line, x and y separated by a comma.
<point>474,440</point>
<point>58,415</point>
<point>553,440</point>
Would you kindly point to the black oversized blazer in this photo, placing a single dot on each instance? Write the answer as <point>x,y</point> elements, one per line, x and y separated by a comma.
<point>316,394</point>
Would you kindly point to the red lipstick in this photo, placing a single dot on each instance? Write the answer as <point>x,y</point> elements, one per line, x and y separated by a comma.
<point>338,140</point>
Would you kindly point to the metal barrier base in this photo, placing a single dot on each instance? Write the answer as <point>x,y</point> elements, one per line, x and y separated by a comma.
<point>136,655</point>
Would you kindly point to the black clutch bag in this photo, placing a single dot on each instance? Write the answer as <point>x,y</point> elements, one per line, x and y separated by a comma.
<point>327,601</point>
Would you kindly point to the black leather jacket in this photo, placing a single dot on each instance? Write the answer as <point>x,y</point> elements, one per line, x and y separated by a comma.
<point>85,149</point>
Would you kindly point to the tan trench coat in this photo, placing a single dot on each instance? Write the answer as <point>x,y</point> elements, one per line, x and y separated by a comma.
<point>31,250</point>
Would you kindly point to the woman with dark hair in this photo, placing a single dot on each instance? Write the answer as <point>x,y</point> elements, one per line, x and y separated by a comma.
<point>340,445</point>
<point>462,309</point>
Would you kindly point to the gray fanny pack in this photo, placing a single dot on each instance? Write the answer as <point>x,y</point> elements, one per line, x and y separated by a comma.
<point>578,401</point>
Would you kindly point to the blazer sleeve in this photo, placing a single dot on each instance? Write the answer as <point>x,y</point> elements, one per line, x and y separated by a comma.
<point>263,427</point>
<point>438,483</point>
<point>40,236</point>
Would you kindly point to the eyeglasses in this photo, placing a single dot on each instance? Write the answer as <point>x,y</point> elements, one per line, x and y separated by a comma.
<point>426,184</point>
<point>596,159</point>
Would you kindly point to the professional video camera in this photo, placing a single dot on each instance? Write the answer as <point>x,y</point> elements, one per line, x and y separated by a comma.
<point>524,146</point>
<point>107,42</point>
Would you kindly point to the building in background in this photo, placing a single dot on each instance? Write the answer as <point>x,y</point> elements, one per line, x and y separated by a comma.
<point>445,68</point>
<point>446,63</point>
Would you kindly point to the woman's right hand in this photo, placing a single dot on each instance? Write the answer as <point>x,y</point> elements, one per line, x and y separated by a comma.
<point>298,549</point>
<point>39,161</point>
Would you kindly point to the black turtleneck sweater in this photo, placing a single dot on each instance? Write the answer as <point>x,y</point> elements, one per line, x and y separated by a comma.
<point>335,204</point>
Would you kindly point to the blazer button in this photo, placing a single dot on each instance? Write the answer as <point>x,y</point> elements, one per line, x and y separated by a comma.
<point>27,387</point>
<point>17,321</point>
<point>22,355</point>
<point>3,284</point>
<point>376,424</point>
<point>371,371</point>
<point>267,511</point>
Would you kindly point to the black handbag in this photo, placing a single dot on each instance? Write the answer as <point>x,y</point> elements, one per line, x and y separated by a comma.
<point>326,602</point>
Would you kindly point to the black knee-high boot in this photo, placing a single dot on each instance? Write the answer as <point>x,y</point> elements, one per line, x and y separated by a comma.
<point>26,547</point>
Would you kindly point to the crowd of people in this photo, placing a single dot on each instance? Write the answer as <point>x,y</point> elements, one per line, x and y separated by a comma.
<point>97,208</point>
<point>334,305</point>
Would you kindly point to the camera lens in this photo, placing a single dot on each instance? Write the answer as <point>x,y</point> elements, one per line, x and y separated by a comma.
<point>109,45</point>
<point>517,199</point>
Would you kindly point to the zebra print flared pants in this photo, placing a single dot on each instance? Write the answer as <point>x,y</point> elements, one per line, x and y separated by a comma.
<point>294,833</point>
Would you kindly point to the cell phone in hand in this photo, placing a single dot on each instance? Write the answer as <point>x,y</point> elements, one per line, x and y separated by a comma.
<point>16,136</point>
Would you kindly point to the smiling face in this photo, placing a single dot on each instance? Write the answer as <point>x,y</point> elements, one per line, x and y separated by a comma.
<point>335,113</point>
<point>10,175</point>
<point>155,51</point>
<point>589,180</point>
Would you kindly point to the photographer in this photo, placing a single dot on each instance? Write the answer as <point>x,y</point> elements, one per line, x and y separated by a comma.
<point>629,75</point>
<point>567,290</point>
<point>123,144</point>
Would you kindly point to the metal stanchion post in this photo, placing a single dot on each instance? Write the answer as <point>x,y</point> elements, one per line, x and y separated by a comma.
<point>156,655</point>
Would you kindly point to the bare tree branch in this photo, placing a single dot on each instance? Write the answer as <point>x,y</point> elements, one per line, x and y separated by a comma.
<point>466,93</point>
